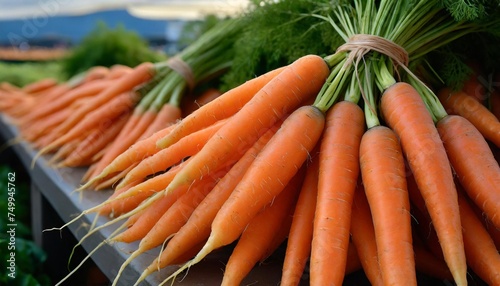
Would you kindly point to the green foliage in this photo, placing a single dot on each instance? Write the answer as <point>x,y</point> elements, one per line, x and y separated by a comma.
<point>277,33</point>
<point>106,47</point>
<point>20,74</point>
<point>192,30</point>
<point>466,9</point>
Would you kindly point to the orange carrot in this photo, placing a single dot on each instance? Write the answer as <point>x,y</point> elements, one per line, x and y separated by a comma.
<point>129,135</point>
<point>281,157</point>
<point>64,100</point>
<point>482,255</point>
<point>98,118</point>
<point>488,225</point>
<point>426,262</point>
<point>472,86</point>
<point>353,263</point>
<point>127,198</point>
<point>339,167</point>
<point>298,248</point>
<point>94,142</point>
<point>224,106</point>
<point>39,86</point>
<point>425,230</point>
<point>205,97</point>
<point>258,235</point>
<point>141,223</point>
<point>117,107</point>
<point>283,94</point>
<point>165,158</point>
<point>279,238</point>
<point>383,173</point>
<point>495,103</point>
<point>141,74</point>
<point>197,229</point>
<point>132,156</point>
<point>473,161</point>
<point>54,93</point>
<point>117,71</point>
<point>363,236</point>
<point>168,115</point>
<point>461,104</point>
<point>423,222</point>
<point>94,73</point>
<point>9,87</point>
<point>153,233</point>
<point>45,125</point>
<point>406,113</point>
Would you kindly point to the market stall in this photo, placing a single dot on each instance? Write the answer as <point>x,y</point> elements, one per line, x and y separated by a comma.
<point>301,142</point>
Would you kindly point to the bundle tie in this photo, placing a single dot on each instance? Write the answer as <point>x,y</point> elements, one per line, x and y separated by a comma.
<point>183,69</point>
<point>361,44</point>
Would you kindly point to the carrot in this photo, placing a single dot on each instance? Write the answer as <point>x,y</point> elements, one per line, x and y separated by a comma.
<point>258,235</point>
<point>281,235</point>
<point>39,85</point>
<point>298,248</point>
<point>298,82</point>
<point>45,125</point>
<point>353,263</point>
<point>281,157</point>
<point>488,225</point>
<point>179,212</point>
<point>426,262</point>
<point>9,87</point>
<point>129,126</point>
<point>190,104</point>
<point>383,173</point>
<point>425,230</point>
<point>423,220</point>
<point>133,155</point>
<point>117,71</point>
<point>174,211</point>
<point>339,167</point>
<point>94,142</point>
<point>168,115</point>
<point>64,100</point>
<point>481,252</point>
<point>197,228</point>
<point>473,161</point>
<point>406,113</point>
<point>143,221</point>
<point>109,183</point>
<point>118,106</point>
<point>224,106</point>
<point>472,86</point>
<point>127,198</point>
<point>54,93</point>
<point>141,74</point>
<point>125,139</point>
<point>495,103</point>
<point>165,158</point>
<point>64,151</point>
<point>363,236</point>
<point>461,104</point>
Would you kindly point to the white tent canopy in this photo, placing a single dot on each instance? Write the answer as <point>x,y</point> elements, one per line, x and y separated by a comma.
<point>152,9</point>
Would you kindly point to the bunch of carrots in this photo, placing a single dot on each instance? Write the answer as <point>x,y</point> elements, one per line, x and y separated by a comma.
<point>91,119</point>
<point>349,159</point>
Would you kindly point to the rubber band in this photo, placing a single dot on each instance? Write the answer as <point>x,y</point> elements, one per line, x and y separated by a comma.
<point>182,68</point>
